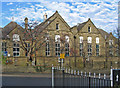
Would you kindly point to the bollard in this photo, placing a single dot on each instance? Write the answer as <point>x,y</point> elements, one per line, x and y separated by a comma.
<point>52,76</point>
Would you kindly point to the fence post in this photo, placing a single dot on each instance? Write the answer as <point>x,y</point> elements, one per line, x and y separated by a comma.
<point>111,77</point>
<point>78,73</point>
<point>89,74</point>
<point>66,70</point>
<point>104,78</point>
<point>81,73</point>
<point>52,76</point>
<point>85,74</point>
<point>71,71</point>
<point>74,72</point>
<point>94,80</point>
<point>99,79</point>
<point>89,79</point>
<point>63,76</point>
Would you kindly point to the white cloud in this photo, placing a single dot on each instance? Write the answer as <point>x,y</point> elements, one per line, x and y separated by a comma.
<point>102,14</point>
<point>9,3</point>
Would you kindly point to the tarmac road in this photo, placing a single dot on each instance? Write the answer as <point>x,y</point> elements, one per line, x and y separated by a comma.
<point>26,80</point>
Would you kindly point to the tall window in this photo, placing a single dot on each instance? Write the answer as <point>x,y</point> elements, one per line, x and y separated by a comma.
<point>81,49</point>
<point>89,29</point>
<point>81,45</point>
<point>66,49</point>
<point>57,26</point>
<point>57,45</point>
<point>111,47</point>
<point>89,49</point>
<point>67,46</point>
<point>97,50</point>
<point>16,49</point>
<point>4,46</point>
<point>57,49</point>
<point>47,49</point>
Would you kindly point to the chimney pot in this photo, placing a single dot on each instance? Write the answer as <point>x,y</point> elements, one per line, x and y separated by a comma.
<point>26,23</point>
<point>45,16</point>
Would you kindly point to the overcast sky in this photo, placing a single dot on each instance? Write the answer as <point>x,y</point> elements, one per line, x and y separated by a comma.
<point>103,13</point>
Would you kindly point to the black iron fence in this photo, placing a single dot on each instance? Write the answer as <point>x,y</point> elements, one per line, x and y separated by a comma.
<point>71,78</point>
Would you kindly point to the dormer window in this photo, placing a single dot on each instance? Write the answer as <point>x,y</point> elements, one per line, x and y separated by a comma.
<point>89,29</point>
<point>57,26</point>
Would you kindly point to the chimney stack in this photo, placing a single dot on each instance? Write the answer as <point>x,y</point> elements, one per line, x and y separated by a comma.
<point>45,16</point>
<point>26,23</point>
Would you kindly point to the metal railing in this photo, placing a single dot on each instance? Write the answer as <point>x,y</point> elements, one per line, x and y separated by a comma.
<point>73,78</point>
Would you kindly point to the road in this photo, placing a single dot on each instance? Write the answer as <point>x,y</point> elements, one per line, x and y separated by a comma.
<point>26,80</point>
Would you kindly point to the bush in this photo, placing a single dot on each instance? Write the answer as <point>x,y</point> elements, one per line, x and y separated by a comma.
<point>41,68</point>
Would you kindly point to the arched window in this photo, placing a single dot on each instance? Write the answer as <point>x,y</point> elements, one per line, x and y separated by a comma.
<point>97,39</point>
<point>89,39</point>
<point>16,37</point>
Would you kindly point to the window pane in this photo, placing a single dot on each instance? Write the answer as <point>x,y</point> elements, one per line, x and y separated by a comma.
<point>57,26</point>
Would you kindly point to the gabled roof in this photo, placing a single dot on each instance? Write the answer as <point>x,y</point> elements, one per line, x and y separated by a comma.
<point>8,28</point>
<point>49,20</point>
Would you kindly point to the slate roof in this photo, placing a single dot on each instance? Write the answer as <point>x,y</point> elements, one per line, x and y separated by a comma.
<point>104,33</point>
<point>49,20</point>
<point>81,25</point>
<point>8,28</point>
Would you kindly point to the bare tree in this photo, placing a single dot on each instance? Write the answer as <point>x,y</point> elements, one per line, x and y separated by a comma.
<point>117,35</point>
<point>32,38</point>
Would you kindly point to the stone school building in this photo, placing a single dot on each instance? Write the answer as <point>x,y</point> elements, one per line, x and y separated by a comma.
<point>83,41</point>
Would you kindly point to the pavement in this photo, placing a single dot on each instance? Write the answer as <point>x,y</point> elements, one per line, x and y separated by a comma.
<point>26,74</point>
